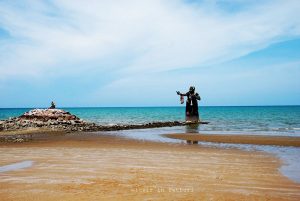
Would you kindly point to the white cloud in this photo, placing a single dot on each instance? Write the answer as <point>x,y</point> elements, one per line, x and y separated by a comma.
<point>265,85</point>
<point>134,36</point>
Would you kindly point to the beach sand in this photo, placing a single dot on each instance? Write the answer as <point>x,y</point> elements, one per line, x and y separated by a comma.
<point>101,167</point>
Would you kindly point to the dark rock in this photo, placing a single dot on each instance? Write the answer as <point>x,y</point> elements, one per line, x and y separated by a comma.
<point>57,119</point>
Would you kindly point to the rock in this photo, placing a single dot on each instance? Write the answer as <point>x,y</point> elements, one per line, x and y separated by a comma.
<point>1,125</point>
<point>19,140</point>
<point>58,119</point>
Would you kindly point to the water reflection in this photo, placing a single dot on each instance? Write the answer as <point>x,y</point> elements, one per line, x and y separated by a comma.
<point>192,128</point>
<point>16,166</point>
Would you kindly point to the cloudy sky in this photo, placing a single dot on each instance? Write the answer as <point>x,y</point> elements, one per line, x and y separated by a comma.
<point>139,52</point>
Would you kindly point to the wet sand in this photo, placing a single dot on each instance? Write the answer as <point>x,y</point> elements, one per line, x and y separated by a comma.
<point>100,167</point>
<point>239,139</point>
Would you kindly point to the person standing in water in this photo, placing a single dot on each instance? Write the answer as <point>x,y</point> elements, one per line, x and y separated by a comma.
<point>191,109</point>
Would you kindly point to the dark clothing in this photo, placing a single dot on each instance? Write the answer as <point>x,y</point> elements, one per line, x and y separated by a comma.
<point>52,105</point>
<point>191,109</point>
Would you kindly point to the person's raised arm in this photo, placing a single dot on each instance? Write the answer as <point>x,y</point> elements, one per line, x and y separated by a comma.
<point>178,93</point>
<point>197,96</point>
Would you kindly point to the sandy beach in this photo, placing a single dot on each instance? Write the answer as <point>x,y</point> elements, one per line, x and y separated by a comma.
<point>101,167</point>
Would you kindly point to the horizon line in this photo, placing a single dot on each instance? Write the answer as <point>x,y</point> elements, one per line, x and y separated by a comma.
<point>146,106</point>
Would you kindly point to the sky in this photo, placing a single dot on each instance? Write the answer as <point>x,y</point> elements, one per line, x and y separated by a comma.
<point>114,53</point>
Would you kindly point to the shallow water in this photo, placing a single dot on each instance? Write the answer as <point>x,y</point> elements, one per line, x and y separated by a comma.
<point>290,156</point>
<point>16,166</point>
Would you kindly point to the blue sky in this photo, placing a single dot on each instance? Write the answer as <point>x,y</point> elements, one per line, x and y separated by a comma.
<point>138,53</point>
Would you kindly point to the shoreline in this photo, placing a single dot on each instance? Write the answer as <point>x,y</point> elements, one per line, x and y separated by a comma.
<point>25,135</point>
<point>238,139</point>
<point>86,166</point>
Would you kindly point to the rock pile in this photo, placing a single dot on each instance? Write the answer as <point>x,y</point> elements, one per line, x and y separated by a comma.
<point>46,118</point>
<point>61,120</point>
<point>46,114</point>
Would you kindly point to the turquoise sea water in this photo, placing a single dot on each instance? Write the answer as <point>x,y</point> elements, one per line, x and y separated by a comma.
<point>281,120</point>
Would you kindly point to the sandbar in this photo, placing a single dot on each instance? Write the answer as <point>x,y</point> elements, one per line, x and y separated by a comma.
<point>239,139</point>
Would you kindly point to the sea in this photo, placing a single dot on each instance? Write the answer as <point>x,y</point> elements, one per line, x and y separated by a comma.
<point>254,120</point>
<point>274,120</point>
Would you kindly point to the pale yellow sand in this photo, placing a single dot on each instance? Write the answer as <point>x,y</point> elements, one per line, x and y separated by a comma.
<point>86,167</point>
